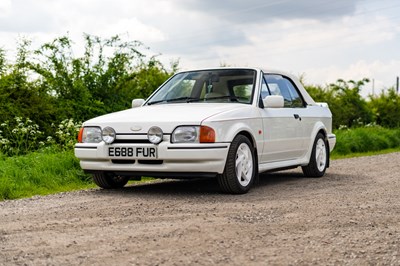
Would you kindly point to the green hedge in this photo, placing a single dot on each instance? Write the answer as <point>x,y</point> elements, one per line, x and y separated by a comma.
<point>366,139</point>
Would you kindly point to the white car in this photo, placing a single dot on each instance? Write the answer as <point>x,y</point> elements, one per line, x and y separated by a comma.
<point>227,123</point>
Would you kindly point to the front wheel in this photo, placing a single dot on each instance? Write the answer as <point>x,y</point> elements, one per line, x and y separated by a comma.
<point>319,158</point>
<point>240,168</point>
<point>108,180</point>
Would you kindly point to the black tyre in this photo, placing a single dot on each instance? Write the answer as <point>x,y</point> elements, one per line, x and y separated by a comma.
<point>108,180</point>
<point>319,159</point>
<point>240,168</point>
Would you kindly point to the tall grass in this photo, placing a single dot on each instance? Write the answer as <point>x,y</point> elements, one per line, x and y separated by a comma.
<point>40,173</point>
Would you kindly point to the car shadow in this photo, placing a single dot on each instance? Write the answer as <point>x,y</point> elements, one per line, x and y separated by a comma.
<point>167,187</point>
<point>203,186</point>
<point>275,178</point>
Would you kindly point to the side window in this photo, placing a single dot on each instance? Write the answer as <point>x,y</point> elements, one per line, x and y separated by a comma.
<point>297,101</point>
<point>279,85</point>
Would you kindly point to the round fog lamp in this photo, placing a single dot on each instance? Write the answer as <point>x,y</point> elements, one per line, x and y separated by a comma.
<point>155,135</point>
<point>108,135</point>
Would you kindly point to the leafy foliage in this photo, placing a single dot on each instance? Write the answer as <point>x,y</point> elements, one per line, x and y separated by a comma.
<point>110,72</point>
<point>347,106</point>
<point>366,139</point>
<point>350,110</point>
<point>49,86</point>
<point>386,108</point>
<point>21,136</point>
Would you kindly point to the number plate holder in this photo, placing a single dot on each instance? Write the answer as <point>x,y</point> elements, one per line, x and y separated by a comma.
<point>133,152</point>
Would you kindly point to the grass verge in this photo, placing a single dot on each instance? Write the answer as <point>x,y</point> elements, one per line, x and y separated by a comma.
<point>336,156</point>
<point>41,173</point>
<point>366,140</point>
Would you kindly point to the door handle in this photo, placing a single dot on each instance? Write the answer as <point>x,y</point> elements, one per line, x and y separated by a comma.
<point>296,116</point>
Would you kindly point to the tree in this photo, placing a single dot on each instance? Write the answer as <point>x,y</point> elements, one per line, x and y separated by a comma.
<point>346,104</point>
<point>110,74</point>
<point>350,108</point>
<point>50,84</point>
<point>19,95</point>
<point>386,108</point>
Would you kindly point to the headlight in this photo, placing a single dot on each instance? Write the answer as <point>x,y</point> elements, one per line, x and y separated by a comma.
<point>108,135</point>
<point>90,135</point>
<point>193,134</point>
<point>155,135</point>
<point>185,134</point>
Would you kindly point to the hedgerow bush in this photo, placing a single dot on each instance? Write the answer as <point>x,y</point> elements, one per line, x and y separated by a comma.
<point>350,109</point>
<point>369,138</point>
<point>52,84</point>
<point>21,136</point>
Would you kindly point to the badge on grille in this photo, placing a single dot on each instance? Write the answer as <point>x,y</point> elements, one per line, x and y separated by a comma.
<point>136,128</point>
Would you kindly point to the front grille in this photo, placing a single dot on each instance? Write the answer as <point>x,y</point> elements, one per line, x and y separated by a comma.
<point>139,141</point>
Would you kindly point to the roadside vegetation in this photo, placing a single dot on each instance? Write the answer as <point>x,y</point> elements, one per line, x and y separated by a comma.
<point>40,173</point>
<point>46,93</point>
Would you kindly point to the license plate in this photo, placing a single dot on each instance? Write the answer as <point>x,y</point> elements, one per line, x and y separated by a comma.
<point>133,152</point>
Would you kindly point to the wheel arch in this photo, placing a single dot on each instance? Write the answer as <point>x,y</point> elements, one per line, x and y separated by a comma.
<point>318,128</point>
<point>248,135</point>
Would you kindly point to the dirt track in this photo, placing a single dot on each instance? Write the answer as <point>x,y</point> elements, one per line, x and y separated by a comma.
<point>351,216</point>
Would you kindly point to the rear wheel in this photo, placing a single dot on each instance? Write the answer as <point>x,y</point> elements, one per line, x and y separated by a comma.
<point>240,168</point>
<point>319,158</point>
<point>108,180</point>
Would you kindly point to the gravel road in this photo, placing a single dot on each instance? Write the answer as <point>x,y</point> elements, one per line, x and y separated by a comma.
<point>351,216</point>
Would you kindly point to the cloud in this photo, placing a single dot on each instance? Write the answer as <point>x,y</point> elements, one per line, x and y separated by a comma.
<point>5,8</point>
<point>382,74</point>
<point>261,11</point>
<point>191,33</point>
<point>296,36</point>
<point>295,43</point>
<point>26,17</point>
<point>136,29</point>
<point>208,25</point>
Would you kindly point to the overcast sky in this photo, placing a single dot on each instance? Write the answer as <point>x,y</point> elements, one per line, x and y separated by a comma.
<point>322,39</point>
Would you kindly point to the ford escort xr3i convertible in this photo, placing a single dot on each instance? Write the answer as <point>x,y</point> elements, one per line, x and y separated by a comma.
<point>227,123</point>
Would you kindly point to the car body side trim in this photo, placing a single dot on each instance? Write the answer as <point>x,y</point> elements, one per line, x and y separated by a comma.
<point>197,148</point>
<point>85,147</point>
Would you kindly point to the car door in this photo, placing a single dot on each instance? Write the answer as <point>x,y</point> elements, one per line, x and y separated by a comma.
<point>283,127</point>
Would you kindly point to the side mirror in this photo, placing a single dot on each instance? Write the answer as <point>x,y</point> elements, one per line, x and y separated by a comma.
<point>273,101</point>
<point>137,103</point>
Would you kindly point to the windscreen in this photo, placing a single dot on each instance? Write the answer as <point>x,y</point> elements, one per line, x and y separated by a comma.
<point>223,85</point>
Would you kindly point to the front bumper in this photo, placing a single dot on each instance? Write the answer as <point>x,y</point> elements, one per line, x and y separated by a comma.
<point>193,158</point>
<point>331,141</point>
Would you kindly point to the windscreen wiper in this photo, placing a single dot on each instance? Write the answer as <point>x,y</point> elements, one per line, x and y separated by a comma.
<point>187,99</point>
<point>155,102</point>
